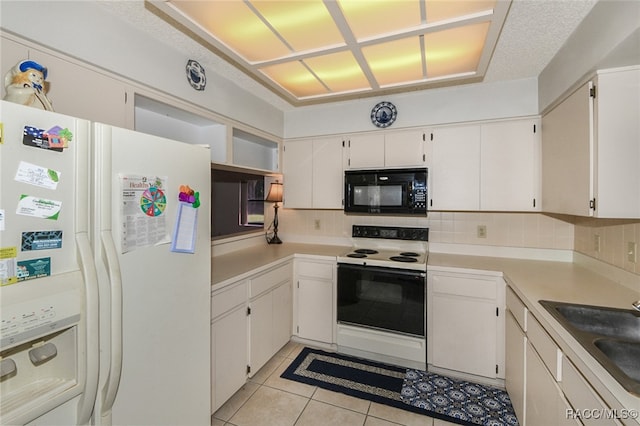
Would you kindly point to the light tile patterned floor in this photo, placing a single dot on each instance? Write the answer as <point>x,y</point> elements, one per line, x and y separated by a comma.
<point>268,400</point>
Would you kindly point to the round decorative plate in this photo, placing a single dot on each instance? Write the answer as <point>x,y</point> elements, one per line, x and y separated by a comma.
<point>195,75</point>
<point>384,114</point>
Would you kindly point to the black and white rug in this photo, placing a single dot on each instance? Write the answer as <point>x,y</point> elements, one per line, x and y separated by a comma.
<point>454,400</point>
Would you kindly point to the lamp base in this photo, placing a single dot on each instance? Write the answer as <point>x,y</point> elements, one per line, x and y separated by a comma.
<point>275,240</point>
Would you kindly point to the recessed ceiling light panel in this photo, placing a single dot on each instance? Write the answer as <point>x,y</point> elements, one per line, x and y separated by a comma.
<point>322,49</point>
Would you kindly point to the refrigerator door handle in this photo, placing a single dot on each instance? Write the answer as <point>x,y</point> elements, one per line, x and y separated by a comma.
<point>87,265</point>
<point>115,282</point>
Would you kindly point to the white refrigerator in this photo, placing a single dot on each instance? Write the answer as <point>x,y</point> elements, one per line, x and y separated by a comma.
<point>105,266</point>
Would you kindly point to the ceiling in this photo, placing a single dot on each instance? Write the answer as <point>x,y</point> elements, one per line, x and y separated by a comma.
<point>520,47</point>
<point>315,50</point>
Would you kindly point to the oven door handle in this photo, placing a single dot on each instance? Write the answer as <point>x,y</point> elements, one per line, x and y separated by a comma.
<point>405,272</point>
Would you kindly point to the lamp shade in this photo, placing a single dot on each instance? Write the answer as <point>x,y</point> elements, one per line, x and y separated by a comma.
<point>275,192</point>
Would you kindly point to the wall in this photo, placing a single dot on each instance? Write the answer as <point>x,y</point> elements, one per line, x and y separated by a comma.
<point>436,106</point>
<point>614,234</point>
<point>608,37</point>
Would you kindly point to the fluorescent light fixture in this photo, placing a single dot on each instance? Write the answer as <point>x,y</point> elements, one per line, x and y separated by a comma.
<point>311,51</point>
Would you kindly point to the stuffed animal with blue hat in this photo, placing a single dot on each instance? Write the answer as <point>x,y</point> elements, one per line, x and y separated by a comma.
<point>25,84</point>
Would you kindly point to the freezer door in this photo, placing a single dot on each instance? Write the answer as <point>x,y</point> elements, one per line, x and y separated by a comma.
<point>48,295</point>
<point>156,364</point>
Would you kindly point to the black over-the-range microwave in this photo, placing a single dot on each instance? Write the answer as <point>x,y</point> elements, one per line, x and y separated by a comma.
<point>390,191</point>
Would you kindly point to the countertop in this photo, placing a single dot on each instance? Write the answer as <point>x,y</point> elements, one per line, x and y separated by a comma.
<point>532,280</point>
<point>240,262</point>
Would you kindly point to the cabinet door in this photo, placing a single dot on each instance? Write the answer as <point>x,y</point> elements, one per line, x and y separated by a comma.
<point>405,149</point>
<point>282,314</point>
<point>228,356</point>
<point>464,324</point>
<point>616,109</point>
<point>366,151</point>
<point>464,336</point>
<point>297,170</point>
<point>82,92</point>
<point>315,309</point>
<point>545,404</point>
<point>455,168</point>
<point>510,166</point>
<point>261,341</point>
<point>515,348</point>
<point>327,187</point>
<point>566,158</point>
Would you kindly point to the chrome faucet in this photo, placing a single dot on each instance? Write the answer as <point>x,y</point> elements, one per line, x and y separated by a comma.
<point>636,304</point>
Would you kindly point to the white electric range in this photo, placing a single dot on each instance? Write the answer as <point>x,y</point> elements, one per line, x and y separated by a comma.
<point>381,301</point>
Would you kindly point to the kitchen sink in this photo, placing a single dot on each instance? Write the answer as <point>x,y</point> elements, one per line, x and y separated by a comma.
<point>611,322</point>
<point>610,335</point>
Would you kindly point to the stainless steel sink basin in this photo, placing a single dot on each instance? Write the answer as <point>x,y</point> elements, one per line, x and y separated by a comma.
<point>610,335</point>
<point>624,354</point>
<point>618,323</point>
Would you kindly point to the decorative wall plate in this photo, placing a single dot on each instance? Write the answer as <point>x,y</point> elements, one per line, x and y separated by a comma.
<point>195,75</point>
<point>384,114</point>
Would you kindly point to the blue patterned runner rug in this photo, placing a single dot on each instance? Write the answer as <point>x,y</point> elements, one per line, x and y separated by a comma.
<point>454,400</point>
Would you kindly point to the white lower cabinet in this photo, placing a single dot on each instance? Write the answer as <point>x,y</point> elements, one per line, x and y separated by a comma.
<point>545,387</point>
<point>314,307</point>
<point>251,319</point>
<point>515,349</point>
<point>465,323</point>
<point>584,399</point>
<point>545,403</point>
<point>270,314</point>
<point>229,342</point>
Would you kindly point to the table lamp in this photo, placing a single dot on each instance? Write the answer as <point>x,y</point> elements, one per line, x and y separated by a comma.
<point>275,195</point>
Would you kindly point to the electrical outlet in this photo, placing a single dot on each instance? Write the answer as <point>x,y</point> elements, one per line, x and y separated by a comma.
<point>596,243</point>
<point>482,231</point>
<point>316,224</point>
<point>631,252</point>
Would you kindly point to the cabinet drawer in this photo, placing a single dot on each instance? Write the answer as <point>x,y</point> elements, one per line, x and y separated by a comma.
<point>323,271</point>
<point>470,286</point>
<point>269,279</point>
<point>582,396</point>
<point>545,346</point>
<point>517,308</point>
<point>228,298</point>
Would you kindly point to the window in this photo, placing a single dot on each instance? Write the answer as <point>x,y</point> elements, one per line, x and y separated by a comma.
<point>237,203</point>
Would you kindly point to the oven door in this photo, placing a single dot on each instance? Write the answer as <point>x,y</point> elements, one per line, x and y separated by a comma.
<point>382,298</point>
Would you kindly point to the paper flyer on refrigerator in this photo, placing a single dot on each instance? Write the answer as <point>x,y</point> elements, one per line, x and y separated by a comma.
<point>143,207</point>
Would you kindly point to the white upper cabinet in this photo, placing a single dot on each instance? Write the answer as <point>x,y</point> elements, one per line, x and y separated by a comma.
<point>405,148</point>
<point>297,159</point>
<point>492,166</point>
<point>510,165</point>
<point>590,149</point>
<point>566,168</point>
<point>402,148</point>
<point>327,181</point>
<point>454,171</point>
<point>366,151</point>
<point>313,173</point>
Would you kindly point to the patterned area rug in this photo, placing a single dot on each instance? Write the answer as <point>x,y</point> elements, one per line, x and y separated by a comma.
<point>434,395</point>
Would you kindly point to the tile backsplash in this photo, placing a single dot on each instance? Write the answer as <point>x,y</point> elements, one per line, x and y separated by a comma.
<point>531,230</point>
<point>607,240</point>
<point>525,230</point>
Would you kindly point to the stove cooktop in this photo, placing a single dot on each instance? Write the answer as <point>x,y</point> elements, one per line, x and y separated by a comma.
<point>388,246</point>
<point>393,258</point>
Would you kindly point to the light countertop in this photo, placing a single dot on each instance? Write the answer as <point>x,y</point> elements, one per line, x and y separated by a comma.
<point>240,262</point>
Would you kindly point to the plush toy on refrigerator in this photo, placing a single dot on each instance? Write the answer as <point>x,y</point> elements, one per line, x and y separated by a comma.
<point>25,84</point>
